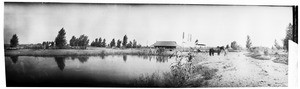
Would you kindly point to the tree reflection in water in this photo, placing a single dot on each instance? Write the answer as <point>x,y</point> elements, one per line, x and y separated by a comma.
<point>124,58</point>
<point>150,57</point>
<point>102,56</point>
<point>73,58</point>
<point>14,59</point>
<point>146,57</point>
<point>83,59</point>
<point>60,62</point>
<point>162,59</point>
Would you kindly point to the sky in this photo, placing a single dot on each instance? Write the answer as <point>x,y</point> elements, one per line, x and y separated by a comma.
<point>211,25</point>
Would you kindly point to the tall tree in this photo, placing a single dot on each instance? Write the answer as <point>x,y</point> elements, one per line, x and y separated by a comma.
<point>129,45</point>
<point>289,36</point>
<point>60,40</point>
<point>83,40</point>
<point>72,41</point>
<point>276,45</point>
<point>112,43</point>
<point>103,43</point>
<point>248,42</point>
<point>119,43</point>
<point>96,41</point>
<point>14,41</point>
<point>124,41</point>
<point>93,43</point>
<point>99,43</point>
<point>134,44</point>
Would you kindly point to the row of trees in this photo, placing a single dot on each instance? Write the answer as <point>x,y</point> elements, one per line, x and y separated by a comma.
<point>60,41</point>
<point>98,42</point>
<point>81,41</point>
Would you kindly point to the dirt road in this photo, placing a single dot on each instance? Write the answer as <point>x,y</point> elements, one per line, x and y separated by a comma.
<point>238,70</point>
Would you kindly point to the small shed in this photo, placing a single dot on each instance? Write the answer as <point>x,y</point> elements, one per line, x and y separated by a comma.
<point>165,44</point>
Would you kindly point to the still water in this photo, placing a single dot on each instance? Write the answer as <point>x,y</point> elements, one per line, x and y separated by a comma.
<point>112,71</point>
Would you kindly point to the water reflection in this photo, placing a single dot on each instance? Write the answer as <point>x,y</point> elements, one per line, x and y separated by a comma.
<point>162,59</point>
<point>60,62</point>
<point>102,56</point>
<point>14,59</point>
<point>80,70</point>
<point>83,59</point>
<point>124,58</point>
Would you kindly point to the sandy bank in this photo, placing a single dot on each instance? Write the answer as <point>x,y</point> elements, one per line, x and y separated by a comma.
<point>238,70</point>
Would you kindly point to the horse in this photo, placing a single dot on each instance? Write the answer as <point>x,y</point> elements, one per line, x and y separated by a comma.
<point>217,50</point>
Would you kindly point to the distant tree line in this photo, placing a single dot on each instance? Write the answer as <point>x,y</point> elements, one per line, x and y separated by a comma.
<point>82,41</point>
<point>98,42</point>
<point>60,40</point>
<point>48,44</point>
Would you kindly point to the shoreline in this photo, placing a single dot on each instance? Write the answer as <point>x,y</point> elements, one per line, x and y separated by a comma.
<point>84,52</point>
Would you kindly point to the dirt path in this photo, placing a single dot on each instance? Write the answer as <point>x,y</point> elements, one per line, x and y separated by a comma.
<point>237,70</point>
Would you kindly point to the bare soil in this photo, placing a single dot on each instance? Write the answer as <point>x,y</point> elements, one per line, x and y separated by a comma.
<point>238,70</point>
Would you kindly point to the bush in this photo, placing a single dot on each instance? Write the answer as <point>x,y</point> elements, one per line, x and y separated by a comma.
<point>234,45</point>
<point>181,75</point>
<point>266,52</point>
<point>281,58</point>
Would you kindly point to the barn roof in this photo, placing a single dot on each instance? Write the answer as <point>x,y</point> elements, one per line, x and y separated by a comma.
<point>165,43</point>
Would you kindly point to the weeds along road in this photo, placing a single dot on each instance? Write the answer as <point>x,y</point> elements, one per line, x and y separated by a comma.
<point>238,70</point>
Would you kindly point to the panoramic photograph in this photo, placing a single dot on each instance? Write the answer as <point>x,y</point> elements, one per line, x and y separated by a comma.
<point>59,44</point>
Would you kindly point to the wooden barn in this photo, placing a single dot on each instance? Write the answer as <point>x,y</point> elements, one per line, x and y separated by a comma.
<point>165,44</point>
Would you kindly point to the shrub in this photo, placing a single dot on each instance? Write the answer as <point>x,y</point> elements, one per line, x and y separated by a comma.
<point>181,75</point>
<point>266,52</point>
<point>248,42</point>
<point>148,80</point>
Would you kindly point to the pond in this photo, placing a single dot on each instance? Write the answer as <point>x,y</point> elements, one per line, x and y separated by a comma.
<point>108,71</point>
